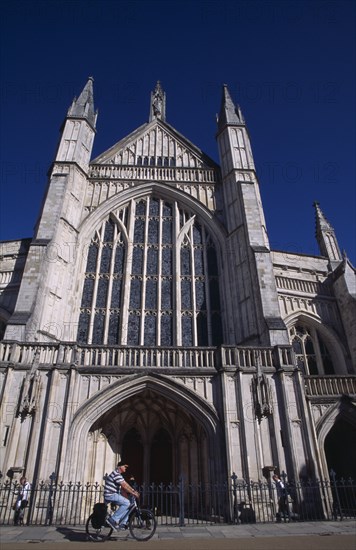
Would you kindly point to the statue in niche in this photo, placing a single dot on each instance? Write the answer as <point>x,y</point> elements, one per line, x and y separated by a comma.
<point>157,101</point>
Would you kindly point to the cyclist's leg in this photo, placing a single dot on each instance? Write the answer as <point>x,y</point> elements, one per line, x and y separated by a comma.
<point>113,499</point>
<point>121,514</point>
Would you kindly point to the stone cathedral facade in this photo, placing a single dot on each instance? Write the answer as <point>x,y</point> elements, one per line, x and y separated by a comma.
<point>149,320</point>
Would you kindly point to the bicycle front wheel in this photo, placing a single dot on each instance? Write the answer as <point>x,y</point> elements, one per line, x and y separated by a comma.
<point>97,534</point>
<point>142,524</point>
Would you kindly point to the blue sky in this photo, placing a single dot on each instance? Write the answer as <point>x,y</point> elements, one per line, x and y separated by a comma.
<point>289,64</point>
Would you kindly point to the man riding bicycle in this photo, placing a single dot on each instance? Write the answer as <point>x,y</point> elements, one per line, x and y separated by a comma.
<point>112,493</point>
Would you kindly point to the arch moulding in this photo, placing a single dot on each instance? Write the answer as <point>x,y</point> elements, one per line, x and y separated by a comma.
<point>110,396</point>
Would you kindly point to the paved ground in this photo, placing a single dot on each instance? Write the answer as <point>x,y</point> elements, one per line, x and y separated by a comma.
<point>277,536</point>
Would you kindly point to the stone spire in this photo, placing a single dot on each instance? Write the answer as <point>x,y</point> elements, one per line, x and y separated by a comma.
<point>83,107</point>
<point>158,103</point>
<point>229,114</point>
<point>326,237</point>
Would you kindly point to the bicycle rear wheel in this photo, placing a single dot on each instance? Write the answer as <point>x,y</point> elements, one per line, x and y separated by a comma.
<point>142,524</point>
<point>97,534</point>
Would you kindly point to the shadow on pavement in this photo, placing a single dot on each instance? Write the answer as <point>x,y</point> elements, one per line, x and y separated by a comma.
<point>75,534</point>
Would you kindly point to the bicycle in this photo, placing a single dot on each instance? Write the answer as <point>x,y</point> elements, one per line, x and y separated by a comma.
<point>142,523</point>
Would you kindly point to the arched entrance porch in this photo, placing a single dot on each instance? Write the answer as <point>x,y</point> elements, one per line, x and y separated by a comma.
<point>166,429</point>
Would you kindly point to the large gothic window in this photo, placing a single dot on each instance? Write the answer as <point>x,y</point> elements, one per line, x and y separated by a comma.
<point>151,279</point>
<point>312,354</point>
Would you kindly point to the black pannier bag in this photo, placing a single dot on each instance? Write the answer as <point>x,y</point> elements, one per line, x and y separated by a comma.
<point>99,515</point>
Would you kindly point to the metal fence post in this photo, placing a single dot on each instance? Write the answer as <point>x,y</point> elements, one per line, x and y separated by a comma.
<point>234,492</point>
<point>333,476</point>
<point>49,514</point>
<point>181,500</point>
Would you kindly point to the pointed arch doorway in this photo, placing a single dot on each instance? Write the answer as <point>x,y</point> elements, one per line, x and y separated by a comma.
<point>343,463</point>
<point>156,435</point>
<point>159,461</point>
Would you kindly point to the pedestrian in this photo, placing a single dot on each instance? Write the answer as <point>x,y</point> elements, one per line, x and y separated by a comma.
<point>21,500</point>
<point>282,494</point>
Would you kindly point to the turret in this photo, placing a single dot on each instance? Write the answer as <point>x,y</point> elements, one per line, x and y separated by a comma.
<point>48,259</point>
<point>257,315</point>
<point>78,130</point>
<point>326,238</point>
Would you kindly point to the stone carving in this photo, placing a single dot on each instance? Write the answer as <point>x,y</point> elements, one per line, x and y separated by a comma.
<point>262,395</point>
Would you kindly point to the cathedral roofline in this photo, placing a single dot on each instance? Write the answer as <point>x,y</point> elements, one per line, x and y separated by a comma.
<point>100,159</point>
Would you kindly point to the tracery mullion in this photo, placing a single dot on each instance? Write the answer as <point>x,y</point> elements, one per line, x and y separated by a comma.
<point>177,271</point>
<point>144,275</point>
<point>207,287</point>
<point>96,284</point>
<point>319,361</point>
<point>109,292</point>
<point>192,288</point>
<point>126,281</point>
<point>159,274</point>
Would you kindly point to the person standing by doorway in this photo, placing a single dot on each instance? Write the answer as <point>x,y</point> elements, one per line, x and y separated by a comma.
<point>112,493</point>
<point>21,501</point>
<point>282,494</point>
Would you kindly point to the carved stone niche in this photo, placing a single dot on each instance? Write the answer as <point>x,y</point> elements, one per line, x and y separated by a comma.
<point>262,395</point>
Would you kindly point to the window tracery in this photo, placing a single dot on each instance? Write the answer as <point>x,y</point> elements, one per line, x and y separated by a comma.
<point>150,287</point>
<point>312,354</point>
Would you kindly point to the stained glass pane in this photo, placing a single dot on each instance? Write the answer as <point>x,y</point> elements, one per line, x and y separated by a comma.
<point>105,259</point>
<point>166,298</point>
<point>202,327</point>
<point>109,232</point>
<point>139,231</point>
<point>141,208</point>
<point>198,261</point>
<point>87,296</point>
<point>83,327</point>
<point>92,258</point>
<point>186,294</point>
<point>102,292</point>
<point>98,329</point>
<point>167,209</point>
<point>187,331</point>
<point>185,261</point>
<point>150,330</point>
<point>153,231</point>
<point>297,347</point>
<point>137,260</point>
<point>154,207</point>
<point>216,329</point>
<point>116,293</point>
<point>151,294</point>
<point>197,234</point>
<point>200,295</point>
<point>113,336</point>
<point>167,231</point>
<point>167,261</point>
<point>119,259</point>
<point>309,347</point>
<point>133,330</point>
<point>152,261</point>
<point>135,296</point>
<point>166,331</point>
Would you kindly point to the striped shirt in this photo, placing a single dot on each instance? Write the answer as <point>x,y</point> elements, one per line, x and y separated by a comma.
<point>112,483</point>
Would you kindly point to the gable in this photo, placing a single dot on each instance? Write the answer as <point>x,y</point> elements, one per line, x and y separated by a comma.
<point>155,144</point>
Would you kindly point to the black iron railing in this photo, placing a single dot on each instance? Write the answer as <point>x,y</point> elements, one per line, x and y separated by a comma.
<point>235,501</point>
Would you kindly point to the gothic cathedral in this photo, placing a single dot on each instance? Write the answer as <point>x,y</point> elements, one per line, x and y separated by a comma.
<point>149,320</point>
